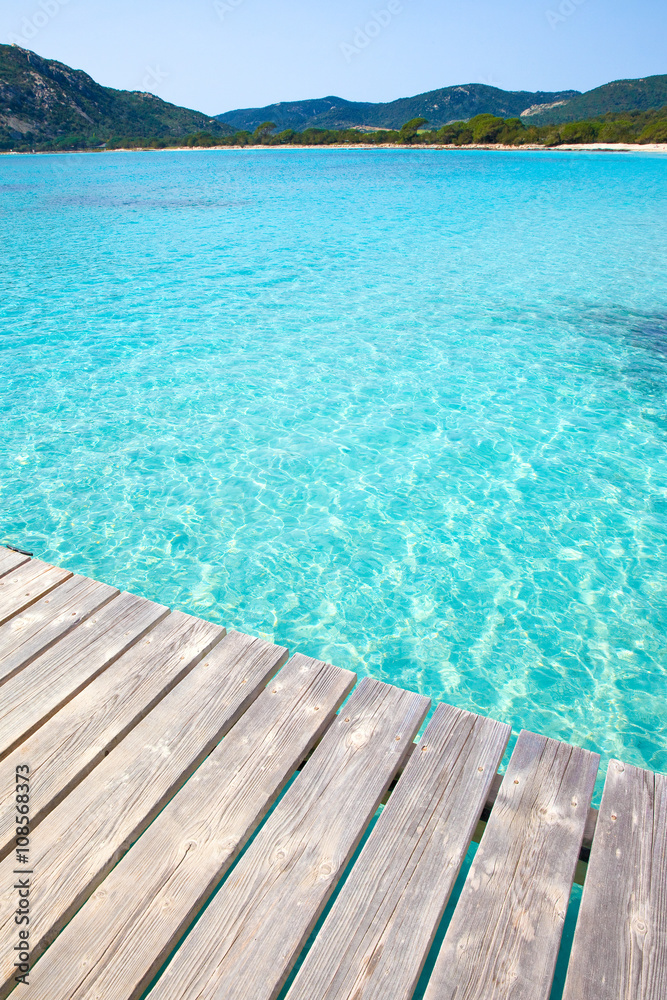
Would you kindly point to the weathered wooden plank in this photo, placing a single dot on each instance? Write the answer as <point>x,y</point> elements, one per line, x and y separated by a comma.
<point>246,941</point>
<point>67,747</point>
<point>619,950</point>
<point>30,697</point>
<point>9,560</point>
<point>118,941</point>
<point>503,939</point>
<point>589,830</point>
<point>26,584</point>
<point>35,630</point>
<point>376,939</point>
<point>100,819</point>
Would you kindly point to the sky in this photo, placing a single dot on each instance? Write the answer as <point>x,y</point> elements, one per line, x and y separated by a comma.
<point>218,55</point>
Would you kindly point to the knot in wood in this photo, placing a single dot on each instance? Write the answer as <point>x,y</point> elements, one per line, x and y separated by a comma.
<point>356,738</point>
<point>548,814</point>
<point>278,855</point>
<point>325,870</point>
<point>225,846</point>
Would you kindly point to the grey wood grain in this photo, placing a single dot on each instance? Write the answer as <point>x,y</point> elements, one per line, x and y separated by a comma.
<point>245,943</point>
<point>377,936</point>
<point>102,817</point>
<point>26,584</point>
<point>503,938</point>
<point>619,950</point>
<point>32,632</point>
<point>9,560</point>
<point>117,942</point>
<point>67,747</point>
<point>32,696</point>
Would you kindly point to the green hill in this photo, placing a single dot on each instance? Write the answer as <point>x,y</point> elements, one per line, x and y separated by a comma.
<point>45,103</point>
<point>438,106</point>
<point>613,98</point>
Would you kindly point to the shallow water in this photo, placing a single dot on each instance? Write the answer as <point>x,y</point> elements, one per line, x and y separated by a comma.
<point>402,410</point>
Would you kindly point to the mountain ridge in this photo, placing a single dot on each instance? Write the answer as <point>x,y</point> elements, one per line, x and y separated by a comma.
<point>457,103</point>
<point>438,106</point>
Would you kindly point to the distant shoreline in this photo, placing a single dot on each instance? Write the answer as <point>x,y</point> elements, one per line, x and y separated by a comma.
<point>592,147</point>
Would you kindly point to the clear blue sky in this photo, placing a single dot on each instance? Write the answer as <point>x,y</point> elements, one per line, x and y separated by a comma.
<point>216,55</point>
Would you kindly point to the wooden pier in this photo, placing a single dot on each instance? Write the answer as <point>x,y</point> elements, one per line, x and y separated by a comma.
<point>180,848</point>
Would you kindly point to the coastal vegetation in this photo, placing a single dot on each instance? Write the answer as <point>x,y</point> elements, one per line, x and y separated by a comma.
<point>632,127</point>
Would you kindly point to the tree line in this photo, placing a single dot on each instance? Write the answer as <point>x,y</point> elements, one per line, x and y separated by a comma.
<point>485,129</point>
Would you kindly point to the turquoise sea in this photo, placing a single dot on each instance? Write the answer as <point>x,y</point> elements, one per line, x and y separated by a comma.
<point>402,410</point>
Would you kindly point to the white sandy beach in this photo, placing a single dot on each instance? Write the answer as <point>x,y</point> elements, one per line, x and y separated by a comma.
<point>605,147</point>
<point>595,147</point>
